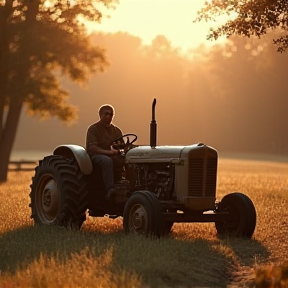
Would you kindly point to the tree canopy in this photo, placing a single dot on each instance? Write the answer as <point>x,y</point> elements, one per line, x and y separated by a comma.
<point>39,41</point>
<point>252,18</point>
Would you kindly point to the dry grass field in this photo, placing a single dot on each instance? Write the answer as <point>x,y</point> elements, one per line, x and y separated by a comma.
<point>101,255</point>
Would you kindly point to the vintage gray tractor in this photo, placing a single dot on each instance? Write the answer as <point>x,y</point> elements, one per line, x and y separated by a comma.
<point>160,185</point>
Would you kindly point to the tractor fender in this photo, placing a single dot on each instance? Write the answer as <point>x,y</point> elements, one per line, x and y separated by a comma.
<point>79,153</point>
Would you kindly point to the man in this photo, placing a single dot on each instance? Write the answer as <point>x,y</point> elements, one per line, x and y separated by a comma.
<point>100,136</point>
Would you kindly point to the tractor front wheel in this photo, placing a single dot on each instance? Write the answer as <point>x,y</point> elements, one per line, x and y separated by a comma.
<point>167,226</point>
<point>241,220</point>
<point>143,214</point>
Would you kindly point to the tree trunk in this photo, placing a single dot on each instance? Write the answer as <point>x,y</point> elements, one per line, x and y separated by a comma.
<point>9,127</point>
<point>4,58</point>
<point>8,136</point>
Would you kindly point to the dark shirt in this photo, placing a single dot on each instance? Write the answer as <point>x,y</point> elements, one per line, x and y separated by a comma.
<point>102,136</point>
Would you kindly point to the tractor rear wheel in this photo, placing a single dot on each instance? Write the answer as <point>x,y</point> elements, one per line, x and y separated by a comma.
<point>59,193</point>
<point>241,221</point>
<point>143,214</point>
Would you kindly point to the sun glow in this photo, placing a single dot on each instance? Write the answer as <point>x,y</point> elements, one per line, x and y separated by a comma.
<point>149,18</point>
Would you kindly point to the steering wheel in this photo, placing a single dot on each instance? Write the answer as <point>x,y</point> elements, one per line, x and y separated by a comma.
<point>121,145</point>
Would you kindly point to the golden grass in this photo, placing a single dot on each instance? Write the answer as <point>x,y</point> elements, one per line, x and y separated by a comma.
<point>101,255</point>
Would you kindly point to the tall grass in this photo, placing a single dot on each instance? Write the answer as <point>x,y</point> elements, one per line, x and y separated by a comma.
<point>101,255</point>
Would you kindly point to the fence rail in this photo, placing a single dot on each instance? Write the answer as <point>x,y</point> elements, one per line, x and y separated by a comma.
<point>22,165</point>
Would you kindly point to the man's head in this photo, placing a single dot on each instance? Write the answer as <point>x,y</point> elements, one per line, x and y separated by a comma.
<point>106,113</point>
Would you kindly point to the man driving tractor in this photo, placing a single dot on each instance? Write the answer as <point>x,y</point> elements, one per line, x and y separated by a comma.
<point>99,139</point>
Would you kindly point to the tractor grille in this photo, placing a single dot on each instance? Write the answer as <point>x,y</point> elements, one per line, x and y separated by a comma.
<point>202,175</point>
<point>195,177</point>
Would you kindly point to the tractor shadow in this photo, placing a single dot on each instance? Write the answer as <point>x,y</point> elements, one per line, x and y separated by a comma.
<point>164,262</point>
<point>249,251</point>
<point>21,247</point>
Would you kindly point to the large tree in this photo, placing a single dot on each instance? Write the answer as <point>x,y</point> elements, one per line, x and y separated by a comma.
<point>252,18</point>
<point>41,40</point>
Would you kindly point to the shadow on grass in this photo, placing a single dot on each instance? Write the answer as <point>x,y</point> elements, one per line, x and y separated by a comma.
<point>165,262</point>
<point>22,246</point>
<point>248,251</point>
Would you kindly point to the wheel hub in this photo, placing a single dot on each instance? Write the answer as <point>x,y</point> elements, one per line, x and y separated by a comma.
<point>50,200</point>
<point>139,219</point>
<point>47,197</point>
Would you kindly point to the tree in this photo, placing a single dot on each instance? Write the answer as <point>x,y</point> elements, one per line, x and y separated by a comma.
<point>252,17</point>
<point>40,40</point>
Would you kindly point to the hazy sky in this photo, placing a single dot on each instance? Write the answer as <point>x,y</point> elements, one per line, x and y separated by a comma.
<point>149,18</point>
<point>235,103</point>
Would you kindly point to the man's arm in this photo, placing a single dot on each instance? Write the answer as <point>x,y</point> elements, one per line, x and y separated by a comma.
<point>93,149</point>
<point>91,145</point>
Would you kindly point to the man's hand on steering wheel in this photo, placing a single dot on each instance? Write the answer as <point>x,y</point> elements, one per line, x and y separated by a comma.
<point>122,146</point>
<point>114,151</point>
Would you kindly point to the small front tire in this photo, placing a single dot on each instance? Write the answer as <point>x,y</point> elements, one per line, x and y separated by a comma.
<point>143,214</point>
<point>167,226</point>
<point>241,221</point>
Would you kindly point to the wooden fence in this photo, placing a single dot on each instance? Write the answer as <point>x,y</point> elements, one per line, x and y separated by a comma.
<point>22,165</point>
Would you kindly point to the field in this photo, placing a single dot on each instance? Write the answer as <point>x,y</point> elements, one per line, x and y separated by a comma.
<point>101,255</point>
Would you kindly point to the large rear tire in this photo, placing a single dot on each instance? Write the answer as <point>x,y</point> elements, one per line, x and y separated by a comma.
<point>59,193</point>
<point>143,214</point>
<point>241,221</point>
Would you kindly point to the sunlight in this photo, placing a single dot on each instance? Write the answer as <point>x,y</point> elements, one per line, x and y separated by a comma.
<point>51,3</point>
<point>47,4</point>
<point>147,19</point>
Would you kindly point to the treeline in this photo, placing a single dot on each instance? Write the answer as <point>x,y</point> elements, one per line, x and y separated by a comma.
<point>232,97</point>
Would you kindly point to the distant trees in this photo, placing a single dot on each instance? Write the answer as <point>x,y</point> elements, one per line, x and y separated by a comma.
<point>231,97</point>
<point>39,39</point>
<point>252,17</point>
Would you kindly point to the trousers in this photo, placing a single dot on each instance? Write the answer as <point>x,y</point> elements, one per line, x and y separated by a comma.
<point>107,165</point>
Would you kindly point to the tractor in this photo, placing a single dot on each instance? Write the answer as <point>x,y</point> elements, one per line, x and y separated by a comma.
<point>159,186</point>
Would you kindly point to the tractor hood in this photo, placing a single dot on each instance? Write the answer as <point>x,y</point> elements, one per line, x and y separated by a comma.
<point>148,154</point>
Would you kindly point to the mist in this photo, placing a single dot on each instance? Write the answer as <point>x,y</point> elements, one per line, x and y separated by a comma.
<point>231,97</point>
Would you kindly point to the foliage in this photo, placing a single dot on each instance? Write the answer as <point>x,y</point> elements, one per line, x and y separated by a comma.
<point>40,41</point>
<point>252,17</point>
<point>272,276</point>
<point>41,38</point>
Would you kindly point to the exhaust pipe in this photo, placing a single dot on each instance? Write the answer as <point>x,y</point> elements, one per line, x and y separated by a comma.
<point>153,127</point>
